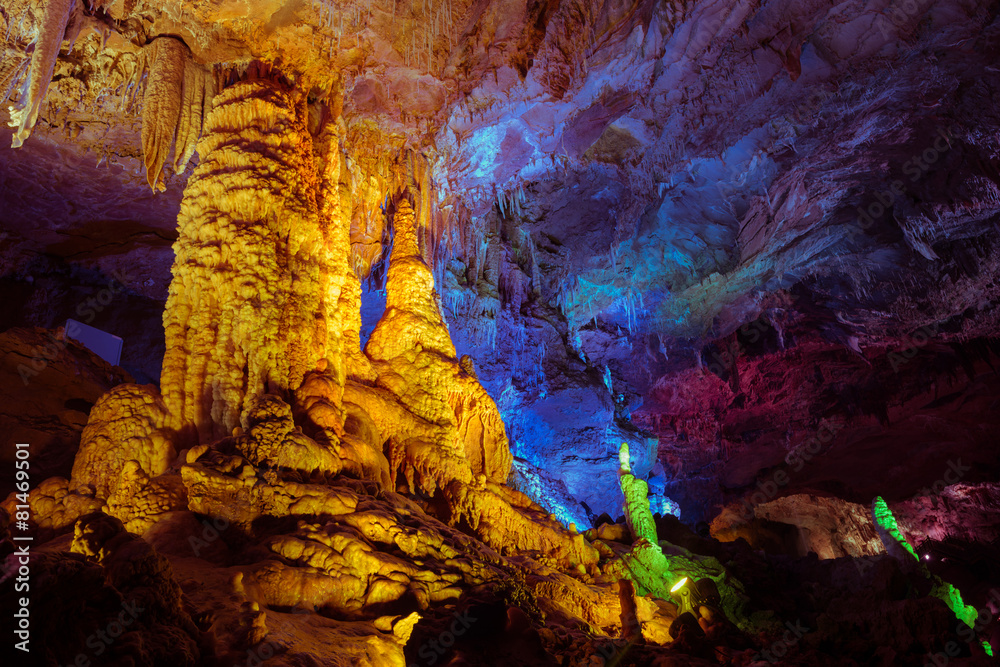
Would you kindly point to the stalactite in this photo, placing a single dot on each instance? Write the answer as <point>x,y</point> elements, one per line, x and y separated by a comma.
<point>197,94</point>
<point>11,71</point>
<point>248,305</point>
<point>178,96</point>
<point>56,17</point>
<point>161,109</point>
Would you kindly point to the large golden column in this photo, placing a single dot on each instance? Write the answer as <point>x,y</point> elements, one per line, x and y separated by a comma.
<point>250,303</point>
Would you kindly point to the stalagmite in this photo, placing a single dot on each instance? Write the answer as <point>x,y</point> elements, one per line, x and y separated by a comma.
<point>897,546</point>
<point>636,492</point>
<point>321,396</point>
<point>249,304</point>
<point>415,359</point>
<point>647,565</point>
<point>129,423</point>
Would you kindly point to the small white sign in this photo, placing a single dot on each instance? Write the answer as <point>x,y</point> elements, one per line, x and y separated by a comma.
<point>101,343</point>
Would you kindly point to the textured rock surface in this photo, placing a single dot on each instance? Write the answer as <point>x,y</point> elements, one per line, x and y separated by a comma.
<point>827,527</point>
<point>415,360</point>
<point>127,424</point>
<point>49,387</point>
<point>430,249</point>
<point>248,280</point>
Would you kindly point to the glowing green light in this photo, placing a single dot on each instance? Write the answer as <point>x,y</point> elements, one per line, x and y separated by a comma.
<point>678,585</point>
<point>941,589</point>
<point>988,648</point>
<point>884,518</point>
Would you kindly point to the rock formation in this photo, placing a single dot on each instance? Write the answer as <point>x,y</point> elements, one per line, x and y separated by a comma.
<point>250,287</point>
<point>500,333</point>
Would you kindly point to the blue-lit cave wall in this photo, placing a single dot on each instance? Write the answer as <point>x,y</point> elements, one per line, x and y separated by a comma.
<point>691,179</point>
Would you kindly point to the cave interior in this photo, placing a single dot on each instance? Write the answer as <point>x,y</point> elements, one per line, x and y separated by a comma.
<point>500,332</point>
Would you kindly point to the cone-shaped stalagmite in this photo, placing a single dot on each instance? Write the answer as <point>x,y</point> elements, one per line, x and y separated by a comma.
<point>344,288</point>
<point>414,357</point>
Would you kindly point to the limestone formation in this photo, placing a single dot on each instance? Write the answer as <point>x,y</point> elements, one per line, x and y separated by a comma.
<point>139,501</point>
<point>228,487</point>
<point>55,18</point>
<point>161,110</point>
<point>250,290</point>
<point>415,360</point>
<point>655,567</point>
<point>509,522</point>
<point>55,507</point>
<point>336,198</point>
<point>348,432</point>
<point>129,423</point>
<point>273,441</point>
<point>588,223</point>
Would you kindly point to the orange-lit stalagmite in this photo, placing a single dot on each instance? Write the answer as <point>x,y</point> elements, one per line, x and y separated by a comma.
<point>414,357</point>
<point>336,203</point>
<point>249,303</point>
<point>320,399</point>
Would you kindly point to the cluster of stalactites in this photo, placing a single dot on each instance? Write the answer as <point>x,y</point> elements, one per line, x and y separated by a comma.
<point>383,166</point>
<point>60,20</point>
<point>179,95</point>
